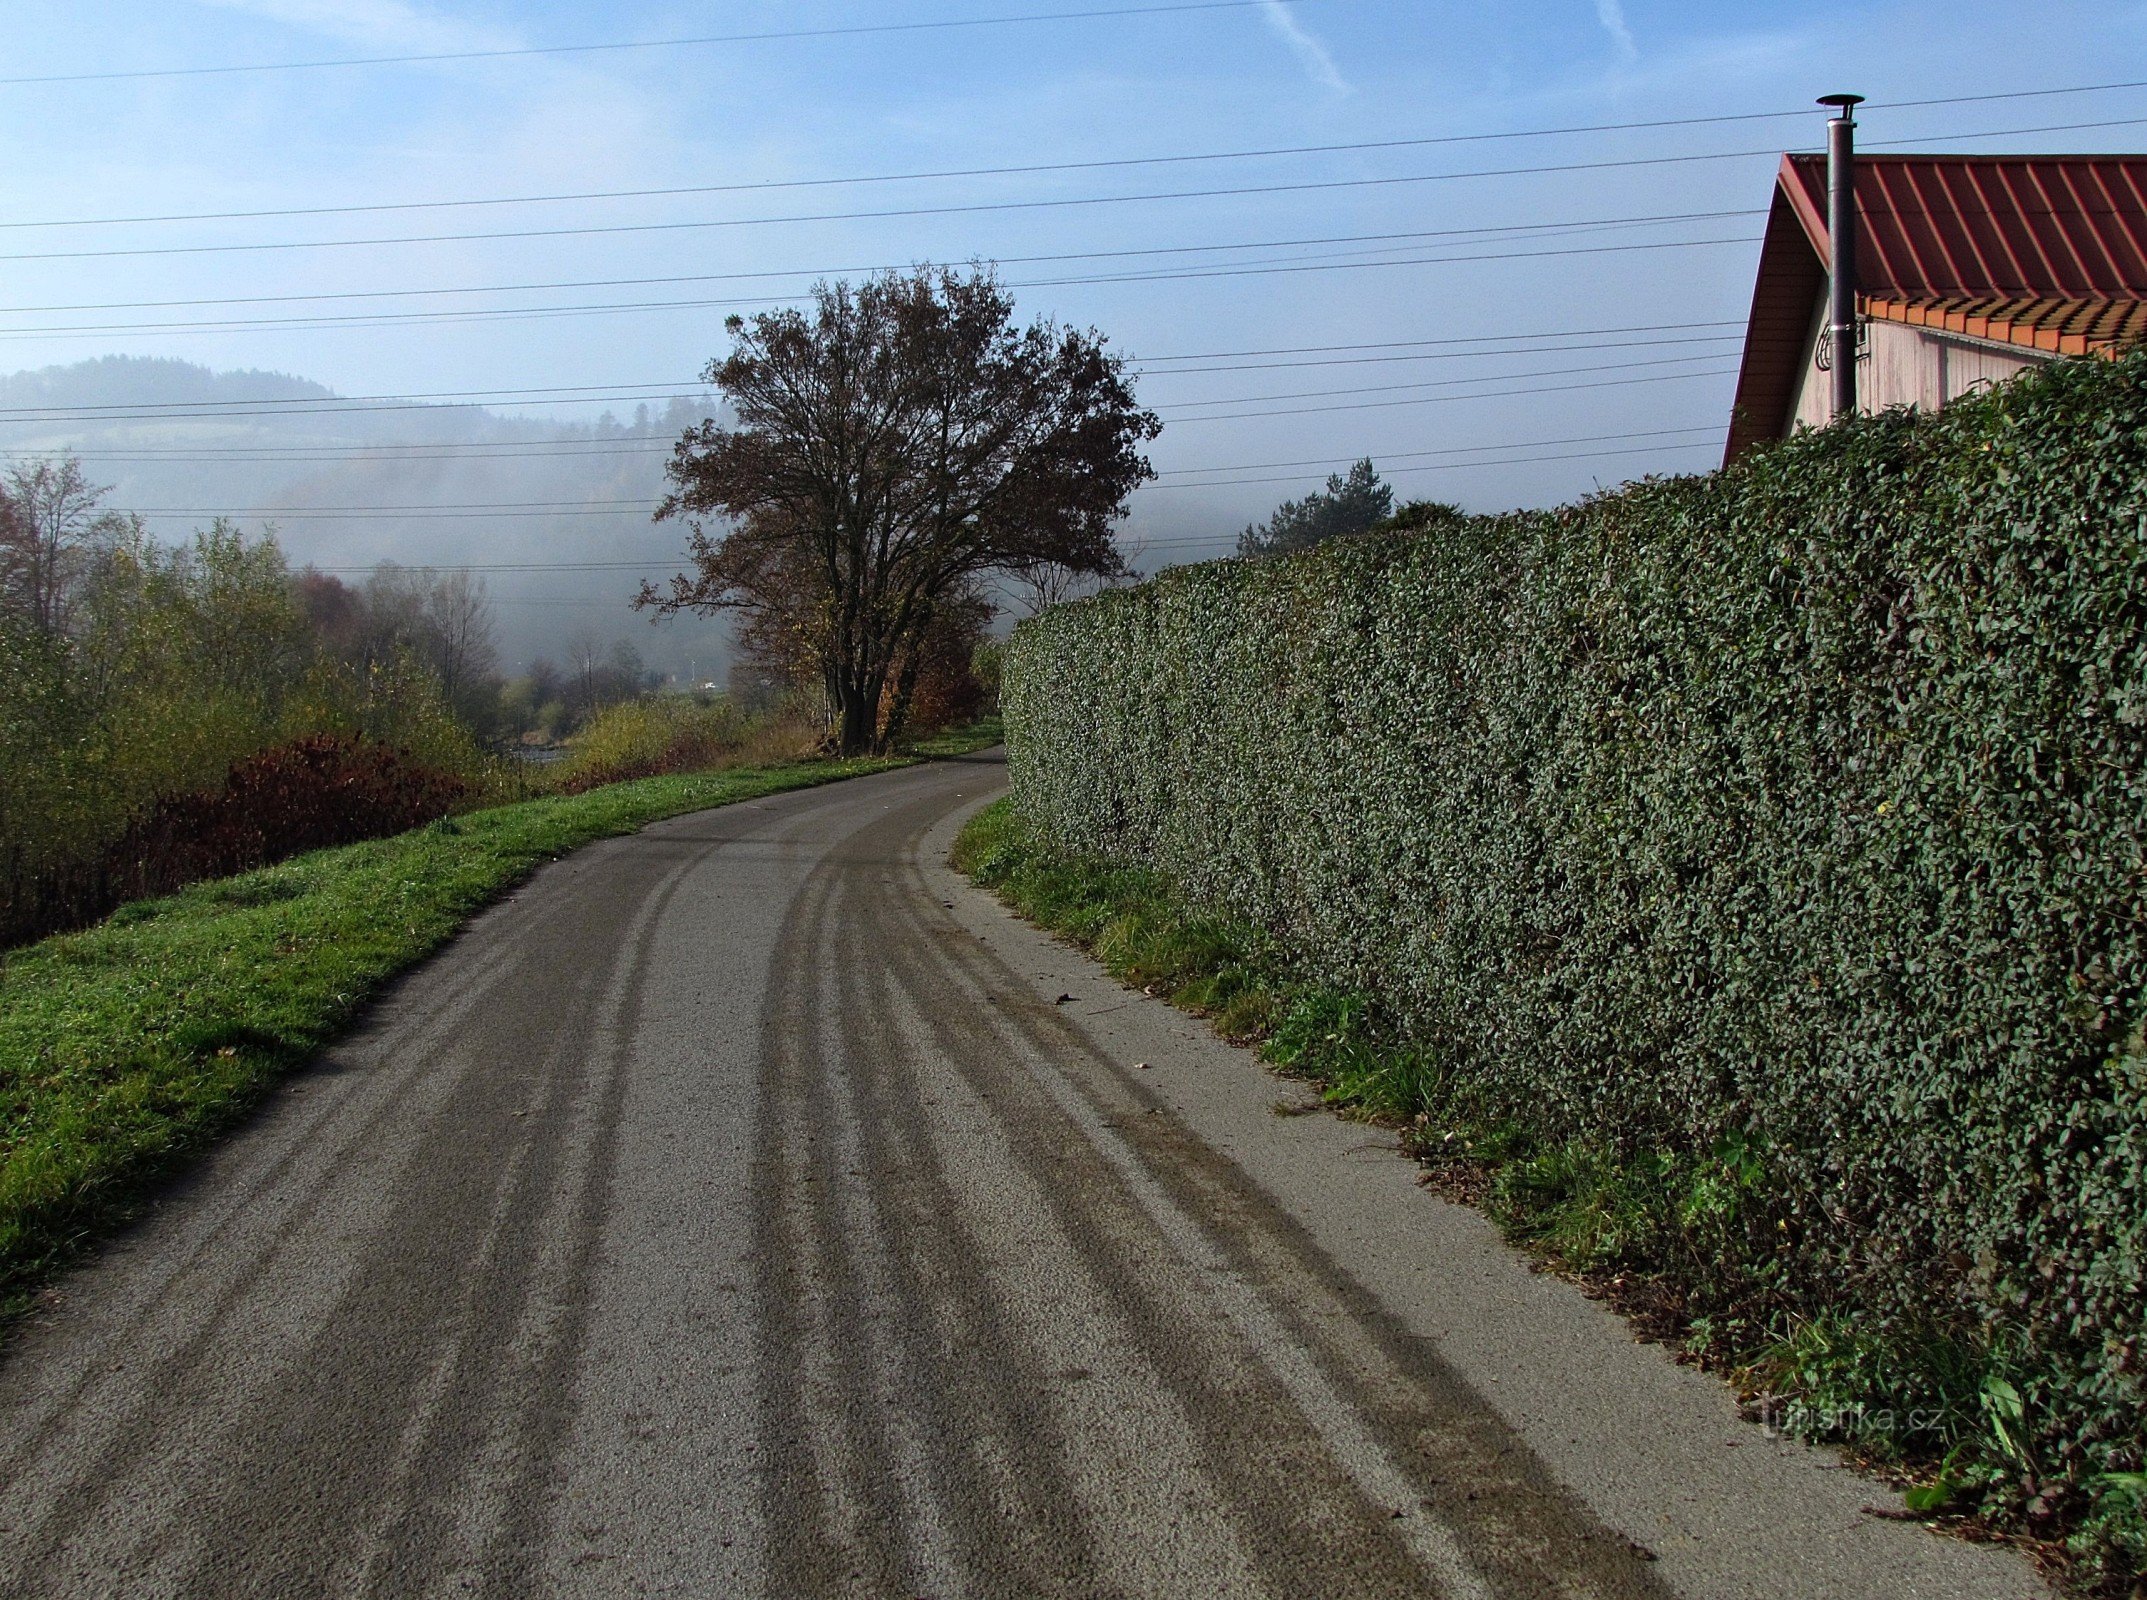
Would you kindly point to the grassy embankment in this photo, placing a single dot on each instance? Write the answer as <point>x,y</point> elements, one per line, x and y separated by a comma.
<point>1619,1226</point>
<point>128,1046</point>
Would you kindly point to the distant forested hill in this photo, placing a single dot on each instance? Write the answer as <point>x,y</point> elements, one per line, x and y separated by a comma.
<point>121,381</point>
<point>346,488</point>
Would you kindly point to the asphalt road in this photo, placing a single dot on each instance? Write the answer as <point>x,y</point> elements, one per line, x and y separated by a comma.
<point>739,1210</point>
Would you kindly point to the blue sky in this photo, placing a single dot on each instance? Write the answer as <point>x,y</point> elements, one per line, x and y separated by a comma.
<point>1189,82</point>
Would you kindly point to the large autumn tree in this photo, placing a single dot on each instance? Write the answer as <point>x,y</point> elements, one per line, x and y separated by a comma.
<point>893,445</point>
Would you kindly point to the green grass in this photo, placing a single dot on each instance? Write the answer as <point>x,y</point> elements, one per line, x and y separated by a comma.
<point>979,735</point>
<point>1939,1407</point>
<point>127,1047</point>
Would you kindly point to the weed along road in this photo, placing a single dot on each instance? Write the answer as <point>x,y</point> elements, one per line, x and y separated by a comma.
<point>750,1207</point>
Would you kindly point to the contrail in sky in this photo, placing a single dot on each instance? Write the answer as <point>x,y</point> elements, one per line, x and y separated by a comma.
<point>1612,15</point>
<point>1309,50</point>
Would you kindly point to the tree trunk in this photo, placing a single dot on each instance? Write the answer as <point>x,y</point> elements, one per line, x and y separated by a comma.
<point>857,714</point>
<point>905,691</point>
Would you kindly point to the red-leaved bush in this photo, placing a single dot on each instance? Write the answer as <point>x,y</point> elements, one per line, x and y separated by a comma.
<point>324,789</point>
<point>306,794</point>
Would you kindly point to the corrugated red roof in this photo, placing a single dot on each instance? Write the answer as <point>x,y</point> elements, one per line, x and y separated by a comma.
<point>2049,323</point>
<point>2046,252</point>
<point>2059,227</point>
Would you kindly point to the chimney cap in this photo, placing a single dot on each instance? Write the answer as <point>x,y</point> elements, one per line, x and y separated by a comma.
<point>1845,103</point>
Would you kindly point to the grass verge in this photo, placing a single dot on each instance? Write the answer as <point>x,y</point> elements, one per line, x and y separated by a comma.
<point>128,1046</point>
<point>1937,1413</point>
<point>979,735</point>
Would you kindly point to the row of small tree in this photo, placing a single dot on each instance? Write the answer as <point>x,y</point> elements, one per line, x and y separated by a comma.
<point>134,672</point>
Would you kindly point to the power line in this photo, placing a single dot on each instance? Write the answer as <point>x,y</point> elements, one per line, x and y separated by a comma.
<point>569,449</point>
<point>333,405</point>
<point>1008,205</point>
<point>979,207</point>
<point>893,213</point>
<point>1027,169</point>
<point>649,446</point>
<point>1525,233</point>
<point>806,272</point>
<point>770,185</point>
<point>523,51</point>
<point>526,508</point>
<point>359,320</point>
<point>1525,229</point>
<point>671,562</point>
<point>639,502</point>
<point>1454,450</point>
<point>1018,205</point>
<point>1430,400</point>
<point>1242,482</point>
<point>1445,355</point>
<point>1178,412</point>
<point>1710,444</point>
<point>617,390</point>
<point>1196,355</point>
<point>1475,338</point>
<point>642,503</point>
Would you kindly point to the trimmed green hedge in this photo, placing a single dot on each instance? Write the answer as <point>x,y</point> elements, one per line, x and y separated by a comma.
<point>1786,823</point>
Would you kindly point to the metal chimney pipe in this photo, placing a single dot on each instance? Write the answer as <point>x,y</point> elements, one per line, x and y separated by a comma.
<point>1841,243</point>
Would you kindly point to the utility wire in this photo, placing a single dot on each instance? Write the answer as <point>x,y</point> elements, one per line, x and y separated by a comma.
<point>643,502</point>
<point>979,207</point>
<point>650,446</point>
<point>370,319</point>
<point>1397,239</point>
<point>1488,394</point>
<point>673,562</point>
<point>1178,412</point>
<point>855,30</point>
<point>617,398</point>
<point>1441,399</point>
<point>619,390</point>
<point>1417,344</point>
<point>765,186</point>
<point>661,563</point>
<point>328,405</point>
<point>576,448</point>
<point>1710,444</point>
<point>1027,169</point>
<point>1454,450</point>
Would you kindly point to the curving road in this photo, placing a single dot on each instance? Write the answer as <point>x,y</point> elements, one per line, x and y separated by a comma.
<point>740,1209</point>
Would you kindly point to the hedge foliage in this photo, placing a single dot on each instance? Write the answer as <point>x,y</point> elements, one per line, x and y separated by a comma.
<point>1786,820</point>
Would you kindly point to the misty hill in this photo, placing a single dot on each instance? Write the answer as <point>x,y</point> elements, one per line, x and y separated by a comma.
<point>147,380</point>
<point>346,488</point>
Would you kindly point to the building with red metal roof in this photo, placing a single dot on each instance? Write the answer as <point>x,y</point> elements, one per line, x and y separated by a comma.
<point>1968,268</point>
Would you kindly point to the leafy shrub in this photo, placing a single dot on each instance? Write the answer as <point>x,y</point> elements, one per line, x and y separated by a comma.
<point>650,738</point>
<point>1794,811</point>
<point>673,734</point>
<point>306,794</point>
<point>321,790</point>
<point>179,667</point>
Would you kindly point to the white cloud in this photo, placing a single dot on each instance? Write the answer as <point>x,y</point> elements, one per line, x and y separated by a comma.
<point>1611,13</point>
<point>1309,50</point>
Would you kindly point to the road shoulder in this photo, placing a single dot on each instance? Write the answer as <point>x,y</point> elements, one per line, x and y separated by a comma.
<point>1656,1450</point>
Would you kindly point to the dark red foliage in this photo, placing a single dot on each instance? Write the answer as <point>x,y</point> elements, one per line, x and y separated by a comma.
<point>948,693</point>
<point>321,790</point>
